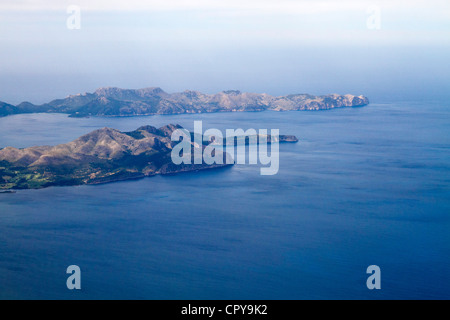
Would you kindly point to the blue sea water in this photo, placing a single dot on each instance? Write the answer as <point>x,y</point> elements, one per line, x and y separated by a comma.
<point>364,186</point>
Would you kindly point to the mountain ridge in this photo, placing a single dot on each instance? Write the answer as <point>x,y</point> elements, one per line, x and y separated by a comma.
<point>114,101</point>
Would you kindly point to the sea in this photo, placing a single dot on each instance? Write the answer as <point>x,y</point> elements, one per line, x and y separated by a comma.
<point>363,186</point>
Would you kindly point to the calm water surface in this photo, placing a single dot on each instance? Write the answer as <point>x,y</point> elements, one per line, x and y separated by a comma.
<point>363,186</point>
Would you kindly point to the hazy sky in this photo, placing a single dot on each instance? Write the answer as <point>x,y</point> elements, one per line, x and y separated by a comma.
<point>384,49</point>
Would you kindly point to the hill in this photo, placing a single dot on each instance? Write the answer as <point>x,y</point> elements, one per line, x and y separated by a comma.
<point>111,101</point>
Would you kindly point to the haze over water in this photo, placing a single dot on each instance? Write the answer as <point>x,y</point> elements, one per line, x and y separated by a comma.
<point>363,186</point>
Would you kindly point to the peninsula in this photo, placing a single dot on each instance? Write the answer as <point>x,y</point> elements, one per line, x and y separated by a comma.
<point>150,101</point>
<point>101,156</point>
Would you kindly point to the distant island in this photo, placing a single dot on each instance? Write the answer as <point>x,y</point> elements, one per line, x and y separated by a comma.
<point>150,101</point>
<point>101,156</point>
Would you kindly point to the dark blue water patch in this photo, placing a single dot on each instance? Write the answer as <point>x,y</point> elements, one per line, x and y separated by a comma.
<point>363,186</point>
